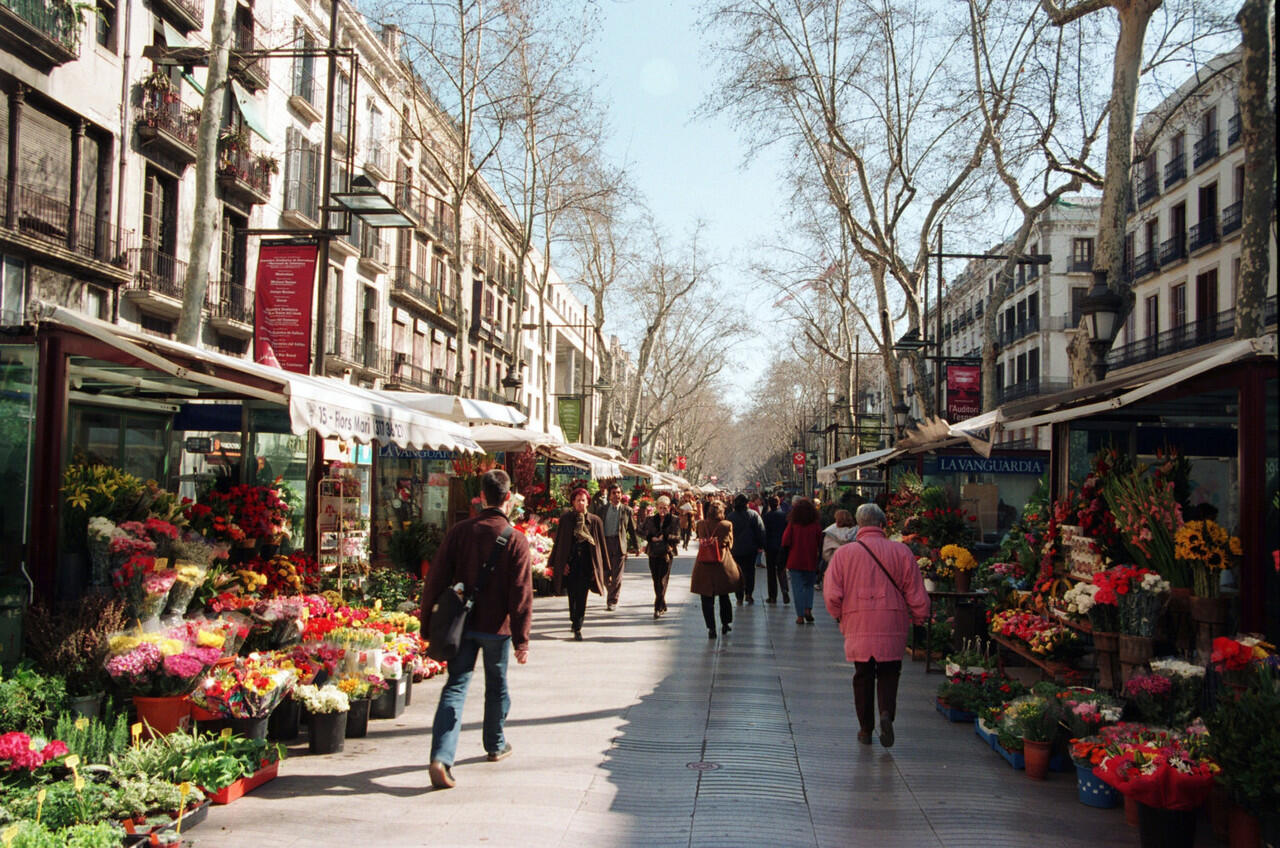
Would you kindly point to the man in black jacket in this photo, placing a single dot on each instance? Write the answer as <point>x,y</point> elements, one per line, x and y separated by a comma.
<point>748,542</point>
<point>775,524</point>
<point>619,536</point>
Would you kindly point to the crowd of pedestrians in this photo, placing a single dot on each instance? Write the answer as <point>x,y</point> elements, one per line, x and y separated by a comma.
<point>870,585</point>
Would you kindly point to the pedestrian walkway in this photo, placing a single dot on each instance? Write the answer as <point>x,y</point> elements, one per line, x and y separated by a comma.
<point>650,734</point>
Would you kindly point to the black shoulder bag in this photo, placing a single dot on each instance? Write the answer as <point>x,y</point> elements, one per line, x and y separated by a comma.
<point>449,612</point>
<point>888,576</point>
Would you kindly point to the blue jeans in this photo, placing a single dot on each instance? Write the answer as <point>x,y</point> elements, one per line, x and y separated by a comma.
<point>802,590</point>
<point>497,701</point>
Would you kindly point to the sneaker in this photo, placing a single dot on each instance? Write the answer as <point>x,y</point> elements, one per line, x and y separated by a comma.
<point>441,775</point>
<point>886,730</point>
<point>500,754</point>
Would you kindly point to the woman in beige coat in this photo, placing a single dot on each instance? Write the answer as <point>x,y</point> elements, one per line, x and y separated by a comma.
<point>715,578</point>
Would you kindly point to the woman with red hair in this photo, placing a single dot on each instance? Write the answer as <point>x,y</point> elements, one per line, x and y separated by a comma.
<point>577,557</point>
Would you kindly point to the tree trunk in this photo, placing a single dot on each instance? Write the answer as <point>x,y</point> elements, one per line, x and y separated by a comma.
<point>461,313</point>
<point>1257,124</point>
<point>206,220</point>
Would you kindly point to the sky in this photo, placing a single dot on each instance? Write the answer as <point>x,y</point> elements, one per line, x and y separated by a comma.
<point>654,72</point>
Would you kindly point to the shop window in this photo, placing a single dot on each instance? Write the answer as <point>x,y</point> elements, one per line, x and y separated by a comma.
<point>134,442</point>
<point>17,408</point>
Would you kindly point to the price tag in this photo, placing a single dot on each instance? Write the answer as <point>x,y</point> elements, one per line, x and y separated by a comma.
<point>377,604</point>
<point>10,834</point>
<point>82,723</point>
<point>40,796</point>
<point>72,761</point>
<point>79,783</point>
<point>135,730</point>
<point>225,736</point>
<point>184,789</point>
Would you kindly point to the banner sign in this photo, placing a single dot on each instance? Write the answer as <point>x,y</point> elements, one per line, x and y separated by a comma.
<point>397,452</point>
<point>797,459</point>
<point>964,392</point>
<point>569,411</point>
<point>635,451</point>
<point>991,465</point>
<point>682,463</point>
<point>282,304</point>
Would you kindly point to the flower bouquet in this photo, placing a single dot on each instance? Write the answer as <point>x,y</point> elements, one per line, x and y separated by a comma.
<point>1172,775</point>
<point>155,586</point>
<point>1142,595</point>
<point>1147,517</point>
<point>249,689</point>
<point>1186,683</point>
<point>1206,549</point>
<point>1237,660</point>
<point>322,700</point>
<point>192,557</point>
<point>359,686</point>
<point>157,665</point>
<point>1084,713</point>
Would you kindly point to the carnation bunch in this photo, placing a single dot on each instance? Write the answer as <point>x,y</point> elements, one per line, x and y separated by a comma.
<point>957,558</point>
<point>323,699</point>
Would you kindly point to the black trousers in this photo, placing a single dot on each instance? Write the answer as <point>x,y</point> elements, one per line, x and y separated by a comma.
<point>776,572</point>
<point>577,584</point>
<point>875,683</point>
<point>660,570</point>
<point>708,610</point>
<point>747,585</point>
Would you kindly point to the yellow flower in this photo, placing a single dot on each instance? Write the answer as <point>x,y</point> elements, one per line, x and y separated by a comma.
<point>171,647</point>
<point>207,639</point>
<point>122,644</point>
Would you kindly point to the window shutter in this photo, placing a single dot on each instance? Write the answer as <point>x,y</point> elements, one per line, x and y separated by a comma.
<point>44,158</point>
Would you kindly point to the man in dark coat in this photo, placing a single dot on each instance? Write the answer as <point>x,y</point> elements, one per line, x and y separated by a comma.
<point>748,542</point>
<point>577,555</point>
<point>619,535</point>
<point>661,532</point>
<point>499,620</point>
<point>775,524</point>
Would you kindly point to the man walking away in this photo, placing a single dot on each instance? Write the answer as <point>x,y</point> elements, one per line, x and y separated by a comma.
<point>748,541</point>
<point>619,529</point>
<point>499,620</point>
<point>874,591</point>
<point>775,524</point>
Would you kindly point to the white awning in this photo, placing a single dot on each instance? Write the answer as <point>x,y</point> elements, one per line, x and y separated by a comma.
<point>599,468</point>
<point>628,469</point>
<point>670,482</point>
<point>828,474</point>
<point>495,437</point>
<point>457,408</point>
<point>331,407</point>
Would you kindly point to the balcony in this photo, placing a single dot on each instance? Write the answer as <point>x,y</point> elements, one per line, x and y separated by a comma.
<point>157,284</point>
<point>1173,251</point>
<point>186,15</point>
<point>1231,218</point>
<point>251,70</point>
<point>44,33</point>
<point>377,162</point>
<point>1206,150</point>
<point>230,308</point>
<point>1175,170</point>
<point>1233,130</point>
<point>1145,263</point>
<point>244,175</point>
<point>1080,266</point>
<point>303,101</point>
<point>407,375</point>
<point>358,351</point>
<point>490,395</point>
<point>301,204</point>
<point>167,126</point>
<point>1201,332</point>
<point>36,223</point>
<point>1146,188</point>
<point>375,254</point>
<point>1203,234</point>
<point>410,287</point>
<point>1020,330</point>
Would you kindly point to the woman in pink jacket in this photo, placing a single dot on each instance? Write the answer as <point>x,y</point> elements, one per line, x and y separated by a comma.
<point>874,590</point>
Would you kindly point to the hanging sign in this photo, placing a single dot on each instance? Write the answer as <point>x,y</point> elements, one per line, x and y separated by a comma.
<point>682,463</point>
<point>282,304</point>
<point>797,459</point>
<point>964,392</point>
<point>569,411</point>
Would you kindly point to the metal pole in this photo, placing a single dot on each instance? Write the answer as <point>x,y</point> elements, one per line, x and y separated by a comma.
<point>937,341</point>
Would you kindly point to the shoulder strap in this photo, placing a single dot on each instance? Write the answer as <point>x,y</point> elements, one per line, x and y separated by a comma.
<point>867,548</point>
<point>499,545</point>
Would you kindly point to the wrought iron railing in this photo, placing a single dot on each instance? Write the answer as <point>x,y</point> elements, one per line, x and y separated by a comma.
<point>302,197</point>
<point>1203,234</point>
<point>244,166</point>
<point>1145,263</point>
<point>1206,149</point>
<point>164,111</point>
<point>40,216</point>
<point>56,20</point>
<point>1212,328</point>
<point>1173,250</point>
<point>158,272</point>
<point>1233,129</point>
<point>1146,187</point>
<point>1079,265</point>
<point>1231,217</point>
<point>1175,170</point>
<point>229,300</point>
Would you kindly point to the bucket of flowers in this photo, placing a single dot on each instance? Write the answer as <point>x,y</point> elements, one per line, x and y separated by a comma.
<point>158,670</point>
<point>1169,778</point>
<point>245,693</point>
<point>959,563</point>
<point>327,707</point>
<point>360,688</point>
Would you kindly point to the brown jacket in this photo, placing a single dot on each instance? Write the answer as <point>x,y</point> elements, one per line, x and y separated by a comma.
<point>711,578</point>
<point>562,548</point>
<point>662,535</point>
<point>505,605</point>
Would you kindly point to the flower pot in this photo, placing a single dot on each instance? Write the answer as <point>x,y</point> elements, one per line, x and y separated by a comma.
<point>327,733</point>
<point>1160,828</point>
<point>89,706</point>
<point>1243,828</point>
<point>390,704</point>
<point>162,716</point>
<point>1106,647</point>
<point>950,713</point>
<point>964,579</point>
<point>284,722</point>
<point>1093,791</point>
<point>1135,652</point>
<point>1036,757</point>
<point>1130,811</point>
<point>250,728</point>
<point>1209,616</point>
<point>358,718</point>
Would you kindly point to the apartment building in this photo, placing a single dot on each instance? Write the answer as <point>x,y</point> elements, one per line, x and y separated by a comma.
<point>1182,247</point>
<point>99,148</point>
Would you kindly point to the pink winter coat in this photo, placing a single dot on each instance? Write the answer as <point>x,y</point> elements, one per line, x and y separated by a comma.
<point>872,614</point>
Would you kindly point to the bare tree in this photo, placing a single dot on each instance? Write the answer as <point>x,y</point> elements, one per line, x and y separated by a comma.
<point>1258,125</point>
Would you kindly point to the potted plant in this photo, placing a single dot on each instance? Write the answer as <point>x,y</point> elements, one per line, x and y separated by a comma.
<point>71,640</point>
<point>328,706</point>
<point>29,699</point>
<point>1036,719</point>
<point>959,563</point>
<point>1169,777</point>
<point>1244,740</point>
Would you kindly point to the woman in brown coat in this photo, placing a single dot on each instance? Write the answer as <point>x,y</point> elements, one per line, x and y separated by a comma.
<point>577,557</point>
<point>715,579</point>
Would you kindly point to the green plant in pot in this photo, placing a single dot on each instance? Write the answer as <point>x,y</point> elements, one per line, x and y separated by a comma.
<point>29,700</point>
<point>414,544</point>
<point>71,640</point>
<point>1244,740</point>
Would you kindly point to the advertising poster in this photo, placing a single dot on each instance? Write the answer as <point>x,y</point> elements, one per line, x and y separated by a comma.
<point>569,410</point>
<point>282,304</point>
<point>964,392</point>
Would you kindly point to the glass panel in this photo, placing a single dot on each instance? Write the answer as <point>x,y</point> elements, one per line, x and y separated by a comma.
<point>146,447</point>
<point>17,405</point>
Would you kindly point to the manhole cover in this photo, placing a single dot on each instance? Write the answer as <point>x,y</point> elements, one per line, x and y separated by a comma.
<point>702,765</point>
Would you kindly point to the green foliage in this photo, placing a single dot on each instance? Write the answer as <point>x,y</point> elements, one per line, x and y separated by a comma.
<point>97,835</point>
<point>28,699</point>
<point>194,757</point>
<point>410,546</point>
<point>63,805</point>
<point>71,640</point>
<point>1244,739</point>
<point>98,742</point>
<point>392,586</point>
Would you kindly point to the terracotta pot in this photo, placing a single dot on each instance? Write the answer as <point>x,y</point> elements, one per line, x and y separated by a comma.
<point>162,716</point>
<point>1243,828</point>
<point>963,580</point>
<point>1036,756</point>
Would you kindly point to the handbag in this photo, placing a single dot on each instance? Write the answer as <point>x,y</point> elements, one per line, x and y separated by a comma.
<point>709,549</point>
<point>451,609</point>
<point>884,570</point>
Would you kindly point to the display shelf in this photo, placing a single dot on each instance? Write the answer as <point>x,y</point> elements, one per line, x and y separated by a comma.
<point>1054,668</point>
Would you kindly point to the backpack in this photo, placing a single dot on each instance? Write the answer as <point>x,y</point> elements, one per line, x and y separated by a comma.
<point>709,549</point>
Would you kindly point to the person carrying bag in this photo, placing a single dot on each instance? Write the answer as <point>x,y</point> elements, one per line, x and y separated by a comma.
<point>452,608</point>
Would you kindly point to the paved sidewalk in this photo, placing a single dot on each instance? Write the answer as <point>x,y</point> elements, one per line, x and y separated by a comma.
<point>650,734</point>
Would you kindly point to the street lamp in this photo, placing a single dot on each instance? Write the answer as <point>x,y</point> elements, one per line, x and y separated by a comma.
<point>1100,310</point>
<point>512,384</point>
<point>900,413</point>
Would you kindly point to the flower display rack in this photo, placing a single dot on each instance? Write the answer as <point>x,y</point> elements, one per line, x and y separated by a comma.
<point>987,736</point>
<point>951,713</point>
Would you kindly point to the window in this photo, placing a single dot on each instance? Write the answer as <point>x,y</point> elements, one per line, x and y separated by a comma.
<point>13,291</point>
<point>159,220</point>
<point>302,175</point>
<point>1153,316</point>
<point>375,128</point>
<point>1021,364</point>
<point>304,67</point>
<point>1033,309</point>
<point>133,442</point>
<point>231,262</point>
<point>105,24</point>
<point>1153,236</point>
<point>1082,253</point>
<point>1209,122</point>
<point>97,303</point>
<point>1033,365</point>
<point>1178,306</point>
<point>341,104</point>
<point>153,324</point>
<point>1077,304</point>
<point>1178,146</point>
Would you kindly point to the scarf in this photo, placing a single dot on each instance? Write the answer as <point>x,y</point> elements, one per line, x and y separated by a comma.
<point>580,531</point>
